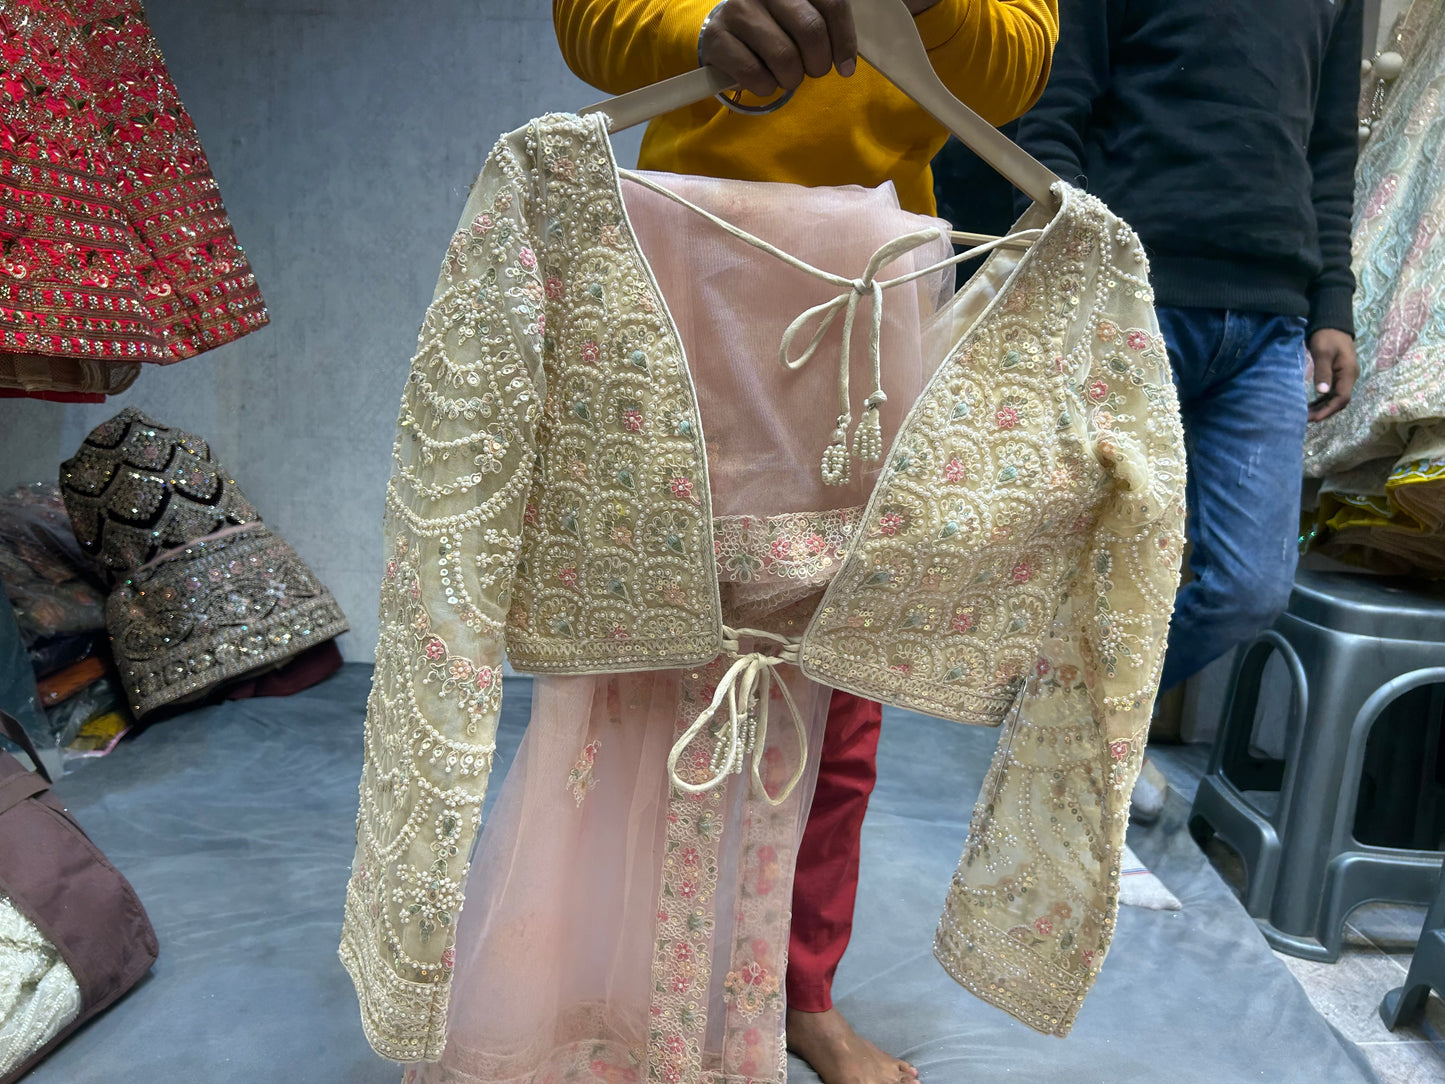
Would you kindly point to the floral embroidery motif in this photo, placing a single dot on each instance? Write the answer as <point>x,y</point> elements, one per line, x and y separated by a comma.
<point>622,428</point>
<point>684,947</point>
<point>941,602</point>
<point>582,778</point>
<point>794,546</point>
<point>752,990</point>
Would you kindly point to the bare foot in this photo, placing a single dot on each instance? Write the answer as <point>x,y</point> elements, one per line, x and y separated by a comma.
<point>839,1054</point>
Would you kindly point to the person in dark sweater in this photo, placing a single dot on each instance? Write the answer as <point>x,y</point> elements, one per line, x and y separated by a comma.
<point>1224,132</point>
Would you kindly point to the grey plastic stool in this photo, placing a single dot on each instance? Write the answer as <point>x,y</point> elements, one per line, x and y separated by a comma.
<point>1351,645</point>
<point>1406,1004</point>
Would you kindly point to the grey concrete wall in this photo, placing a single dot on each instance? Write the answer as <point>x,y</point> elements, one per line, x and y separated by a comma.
<point>344,134</point>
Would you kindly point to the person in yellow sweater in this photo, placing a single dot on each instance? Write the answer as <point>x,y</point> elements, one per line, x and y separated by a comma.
<point>844,124</point>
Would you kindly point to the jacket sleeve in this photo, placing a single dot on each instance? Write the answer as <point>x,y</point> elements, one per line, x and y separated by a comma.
<point>1333,149</point>
<point>462,466</point>
<point>1031,910</point>
<point>1055,129</point>
<point>994,54</point>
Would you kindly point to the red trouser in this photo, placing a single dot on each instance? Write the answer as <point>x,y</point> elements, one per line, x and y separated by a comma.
<point>826,882</point>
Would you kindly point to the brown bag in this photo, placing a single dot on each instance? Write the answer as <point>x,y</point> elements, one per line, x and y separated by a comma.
<point>57,879</point>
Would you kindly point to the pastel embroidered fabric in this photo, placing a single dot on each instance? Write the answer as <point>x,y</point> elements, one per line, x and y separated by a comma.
<point>1383,459</point>
<point>589,843</point>
<point>38,994</point>
<point>766,425</point>
<point>779,531</point>
<point>1021,545</point>
<point>618,930</point>
<point>1017,562</point>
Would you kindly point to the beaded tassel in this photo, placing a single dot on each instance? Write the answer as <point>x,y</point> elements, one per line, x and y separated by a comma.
<point>836,471</point>
<point>868,437</point>
<point>728,759</point>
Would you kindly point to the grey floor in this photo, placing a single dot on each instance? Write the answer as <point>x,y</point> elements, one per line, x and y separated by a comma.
<point>235,824</point>
<point>1379,942</point>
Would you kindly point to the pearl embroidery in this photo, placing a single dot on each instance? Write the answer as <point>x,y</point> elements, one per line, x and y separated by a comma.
<point>1016,561</point>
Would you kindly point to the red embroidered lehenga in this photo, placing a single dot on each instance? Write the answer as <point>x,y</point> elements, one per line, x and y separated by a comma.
<point>618,930</point>
<point>115,247</point>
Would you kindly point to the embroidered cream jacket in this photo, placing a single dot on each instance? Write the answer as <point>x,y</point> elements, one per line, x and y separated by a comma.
<point>1015,564</point>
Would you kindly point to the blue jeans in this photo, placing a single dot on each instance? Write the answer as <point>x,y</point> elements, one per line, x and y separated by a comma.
<point>1242,396</point>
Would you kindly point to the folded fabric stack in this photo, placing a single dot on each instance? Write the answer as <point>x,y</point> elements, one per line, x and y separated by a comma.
<point>202,592</point>
<point>1381,501</point>
<point>53,629</point>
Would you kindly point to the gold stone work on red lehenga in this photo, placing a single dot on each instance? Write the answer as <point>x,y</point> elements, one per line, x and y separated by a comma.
<point>203,590</point>
<point>115,247</point>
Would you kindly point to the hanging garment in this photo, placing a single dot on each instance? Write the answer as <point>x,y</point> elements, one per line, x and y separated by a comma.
<point>590,842</point>
<point>114,244</point>
<point>1382,501</point>
<point>1014,563</point>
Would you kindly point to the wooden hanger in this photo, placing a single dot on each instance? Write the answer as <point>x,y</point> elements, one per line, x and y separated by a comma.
<point>888,40</point>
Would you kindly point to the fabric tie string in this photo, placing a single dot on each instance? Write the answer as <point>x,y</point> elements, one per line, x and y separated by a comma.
<point>746,690</point>
<point>868,437</point>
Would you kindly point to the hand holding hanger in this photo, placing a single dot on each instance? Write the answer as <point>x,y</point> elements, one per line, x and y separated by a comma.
<point>888,39</point>
<point>767,45</point>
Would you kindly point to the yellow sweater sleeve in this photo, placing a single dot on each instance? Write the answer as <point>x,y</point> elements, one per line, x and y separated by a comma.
<point>993,54</point>
<point>621,45</point>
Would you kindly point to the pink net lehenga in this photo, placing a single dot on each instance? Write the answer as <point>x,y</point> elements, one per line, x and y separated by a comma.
<point>620,929</point>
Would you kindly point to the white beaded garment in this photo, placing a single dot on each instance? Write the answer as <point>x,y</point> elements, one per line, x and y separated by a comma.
<point>1014,563</point>
<point>39,996</point>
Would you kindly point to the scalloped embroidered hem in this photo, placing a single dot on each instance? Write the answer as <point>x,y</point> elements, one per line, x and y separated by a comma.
<point>602,655</point>
<point>993,966</point>
<point>402,1020</point>
<point>902,689</point>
